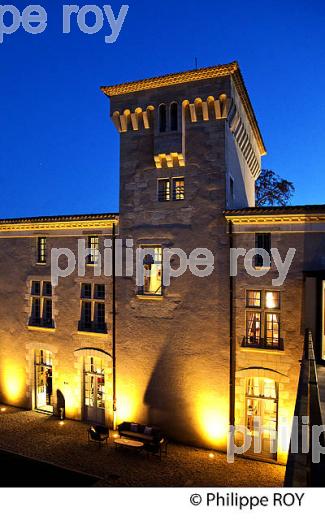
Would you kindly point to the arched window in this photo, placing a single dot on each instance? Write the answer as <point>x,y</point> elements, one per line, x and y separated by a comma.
<point>173,116</point>
<point>162,118</point>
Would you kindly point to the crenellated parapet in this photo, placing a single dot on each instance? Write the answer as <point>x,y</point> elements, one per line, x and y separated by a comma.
<point>139,119</point>
<point>207,110</point>
<point>169,144</point>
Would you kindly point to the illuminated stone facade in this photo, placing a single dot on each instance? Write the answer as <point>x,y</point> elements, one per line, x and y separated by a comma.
<point>190,152</point>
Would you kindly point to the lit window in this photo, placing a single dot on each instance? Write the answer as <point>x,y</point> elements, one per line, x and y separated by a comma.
<point>41,250</point>
<point>262,241</point>
<point>92,317</point>
<point>261,387</point>
<point>41,305</point>
<point>94,382</point>
<point>272,329</point>
<point>272,299</point>
<point>263,327</point>
<point>178,188</point>
<point>163,190</point>
<point>253,298</point>
<point>173,116</point>
<point>253,325</point>
<point>43,380</point>
<point>152,264</point>
<point>162,118</point>
<point>93,246</point>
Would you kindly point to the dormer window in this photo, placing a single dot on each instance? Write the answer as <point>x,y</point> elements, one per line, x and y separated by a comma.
<point>174,116</point>
<point>162,118</point>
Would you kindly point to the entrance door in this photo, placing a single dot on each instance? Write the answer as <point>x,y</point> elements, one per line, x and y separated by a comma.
<point>262,415</point>
<point>43,381</point>
<point>94,390</point>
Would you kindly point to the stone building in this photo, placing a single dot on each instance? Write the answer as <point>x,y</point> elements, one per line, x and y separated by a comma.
<point>198,354</point>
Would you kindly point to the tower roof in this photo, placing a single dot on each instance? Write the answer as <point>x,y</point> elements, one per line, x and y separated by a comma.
<point>217,71</point>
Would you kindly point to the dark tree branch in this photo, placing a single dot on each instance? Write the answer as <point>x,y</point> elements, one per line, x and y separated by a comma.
<point>272,190</point>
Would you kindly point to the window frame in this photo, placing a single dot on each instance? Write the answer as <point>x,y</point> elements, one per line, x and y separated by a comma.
<point>93,256</point>
<point>264,311</point>
<point>162,118</point>
<point>92,301</point>
<point>41,243</point>
<point>159,191</point>
<point>174,189</point>
<point>173,118</point>
<point>41,299</point>
<point>141,292</point>
<point>258,260</point>
<point>247,298</point>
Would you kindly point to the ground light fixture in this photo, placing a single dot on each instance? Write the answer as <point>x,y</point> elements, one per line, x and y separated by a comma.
<point>3,409</point>
<point>211,455</point>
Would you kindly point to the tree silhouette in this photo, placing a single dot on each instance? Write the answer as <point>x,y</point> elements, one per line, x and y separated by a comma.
<point>272,190</point>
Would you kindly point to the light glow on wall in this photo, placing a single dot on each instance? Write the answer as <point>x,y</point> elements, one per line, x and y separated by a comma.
<point>127,407</point>
<point>13,380</point>
<point>212,417</point>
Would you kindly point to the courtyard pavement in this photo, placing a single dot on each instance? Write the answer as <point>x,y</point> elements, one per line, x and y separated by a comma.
<point>43,437</point>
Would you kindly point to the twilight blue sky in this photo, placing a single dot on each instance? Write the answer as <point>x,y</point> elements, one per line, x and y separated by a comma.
<point>58,149</point>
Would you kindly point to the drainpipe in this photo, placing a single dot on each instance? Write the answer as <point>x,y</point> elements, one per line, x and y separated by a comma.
<point>114,323</point>
<point>232,342</point>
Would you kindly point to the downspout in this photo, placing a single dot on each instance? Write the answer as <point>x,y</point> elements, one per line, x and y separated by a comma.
<point>232,343</point>
<point>114,323</point>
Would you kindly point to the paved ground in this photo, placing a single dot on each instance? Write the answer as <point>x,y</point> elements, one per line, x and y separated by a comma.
<point>42,437</point>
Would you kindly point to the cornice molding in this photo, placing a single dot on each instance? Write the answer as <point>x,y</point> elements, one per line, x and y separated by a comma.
<point>275,219</point>
<point>171,79</point>
<point>56,225</point>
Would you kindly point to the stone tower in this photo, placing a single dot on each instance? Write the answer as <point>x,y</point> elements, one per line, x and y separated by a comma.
<point>190,147</point>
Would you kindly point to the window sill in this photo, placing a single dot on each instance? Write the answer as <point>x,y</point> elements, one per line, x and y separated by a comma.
<point>41,329</point>
<point>94,334</point>
<point>263,350</point>
<point>149,297</point>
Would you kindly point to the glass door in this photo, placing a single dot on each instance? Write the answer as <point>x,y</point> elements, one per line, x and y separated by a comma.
<point>43,381</point>
<point>94,391</point>
<point>262,415</point>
